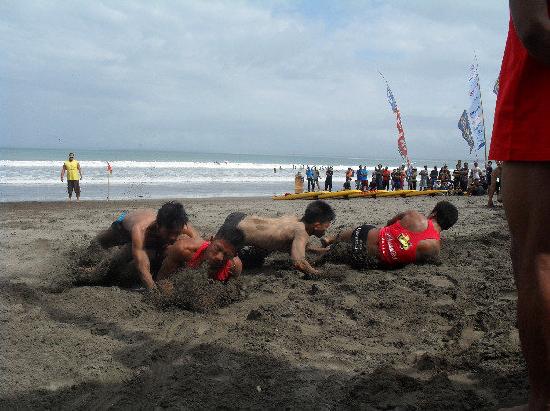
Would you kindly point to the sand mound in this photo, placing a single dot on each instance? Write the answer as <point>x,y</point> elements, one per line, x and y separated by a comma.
<point>193,290</point>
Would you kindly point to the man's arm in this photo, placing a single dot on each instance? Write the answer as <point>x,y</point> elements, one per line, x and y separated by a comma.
<point>236,267</point>
<point>175,256</point>
<point>189,230</point>
<point>62,172</point>
<point>79,170</point>
<point>298,253</point>
<point>141,258</point>
<point>532,24</point>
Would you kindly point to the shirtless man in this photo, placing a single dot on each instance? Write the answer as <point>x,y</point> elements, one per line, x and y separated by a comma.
<point>219,254</point>
<point>147,234</point>
<point>286,234</point>
<point>409,237</point>
<point>495,185</point>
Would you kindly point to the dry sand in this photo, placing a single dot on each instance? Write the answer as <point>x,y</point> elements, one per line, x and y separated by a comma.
<point>421,337</point>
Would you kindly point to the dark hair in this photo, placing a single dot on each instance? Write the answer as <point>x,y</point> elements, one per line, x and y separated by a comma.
<point>229,231</point>
<point>172,216</point>
<point>318,211</point>
<point>445,214</point>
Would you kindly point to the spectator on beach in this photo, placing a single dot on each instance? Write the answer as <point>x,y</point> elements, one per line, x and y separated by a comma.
<point>349,174</point>
<point>464,172</point>
<point>476,172</point>
<point>488,173</point>
<point>328,178</point>
<point>379,177</point>
<point>445,177</point>
<point>358,177</point>
<point>74,175</point>
<point>316,179</point>
<point>521,138</point>
<point>412,178</point>
<point>403,176</point>
<point>496,178</point>
<point>364,179</point>
<point>457,175</point>
<point>396,179</point>
<point>298,183</point>
<point>386,174</point>
<point>424,178</point>
<point>433,178</point>
<point>309,176</point>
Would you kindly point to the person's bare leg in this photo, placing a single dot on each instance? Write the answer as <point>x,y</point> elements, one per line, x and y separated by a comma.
<point>527,209</point>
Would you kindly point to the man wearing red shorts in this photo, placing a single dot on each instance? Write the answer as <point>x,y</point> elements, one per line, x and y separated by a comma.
<point>521,138</point>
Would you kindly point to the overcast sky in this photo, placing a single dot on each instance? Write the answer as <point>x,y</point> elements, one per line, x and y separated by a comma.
<point>245,76</point>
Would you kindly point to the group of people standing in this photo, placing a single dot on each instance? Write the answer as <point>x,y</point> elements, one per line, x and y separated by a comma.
<point>462,180</point>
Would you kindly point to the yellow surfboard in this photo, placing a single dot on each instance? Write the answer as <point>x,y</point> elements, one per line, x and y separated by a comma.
<point>339,194</point>
<point>367,194</point>
<point>397,193</point>
<point>302,196</point>
<point>426,193</point>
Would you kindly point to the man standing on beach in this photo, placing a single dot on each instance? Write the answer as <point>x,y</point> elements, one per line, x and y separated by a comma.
<point>262,235</point>
<point>424,178</point>
<point>309,176</point>
<point>521,138</point>
<point>328,179</point>
<point>74,175</point>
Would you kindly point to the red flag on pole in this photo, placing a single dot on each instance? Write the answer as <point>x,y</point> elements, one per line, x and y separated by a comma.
<point>109,168</point>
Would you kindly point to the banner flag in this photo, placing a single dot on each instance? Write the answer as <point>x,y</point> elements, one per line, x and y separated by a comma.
<point>401,143</point>
<point>475,112</point>
<point>464,126</point>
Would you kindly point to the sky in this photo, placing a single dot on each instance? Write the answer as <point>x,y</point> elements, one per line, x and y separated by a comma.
<point>266,77</point>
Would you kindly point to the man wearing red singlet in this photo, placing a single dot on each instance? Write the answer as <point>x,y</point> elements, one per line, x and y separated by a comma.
<point>521,138</point>
<point>409,237</point>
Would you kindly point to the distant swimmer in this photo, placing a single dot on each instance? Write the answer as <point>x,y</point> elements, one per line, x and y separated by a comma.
<point>259,236</point>
<point>219,254</point>
<point>74,175</point>
<point>409,237</point>
<point>147,235</point>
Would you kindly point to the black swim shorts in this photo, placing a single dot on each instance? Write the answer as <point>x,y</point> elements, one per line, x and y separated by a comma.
<point>230,232</point>
<point>359,237</point>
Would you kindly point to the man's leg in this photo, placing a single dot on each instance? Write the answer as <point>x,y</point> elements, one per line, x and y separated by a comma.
<point>527,210</point>
<point>77,189</point>
<point>70,189</point>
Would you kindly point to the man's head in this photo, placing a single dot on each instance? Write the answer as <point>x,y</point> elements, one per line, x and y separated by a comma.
<point>318,217</point>
<point>425,167</point>
<point>475,164</point>
<point>465,165</point>
<point>171,218</point>
<point>445,214</point>
<point>219,251</point>
<point>435,167</point>
<point>71,156</point>
<point>490,163</point>
<point>385,168</point>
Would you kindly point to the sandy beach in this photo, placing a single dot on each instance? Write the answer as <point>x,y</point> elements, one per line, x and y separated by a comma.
<point>421,337</point>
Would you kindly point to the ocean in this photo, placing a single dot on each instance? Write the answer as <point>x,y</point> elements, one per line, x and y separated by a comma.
<point>34,174</point>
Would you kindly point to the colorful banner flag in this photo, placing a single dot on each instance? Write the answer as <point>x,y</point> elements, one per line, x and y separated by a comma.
<point>109,168</point>
<point>496,86</point>
<point>401,143</point>
<point>464,126</point>
<point>475,113</point>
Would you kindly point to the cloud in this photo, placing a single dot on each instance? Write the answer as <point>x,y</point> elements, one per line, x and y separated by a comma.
<point>282,77</point>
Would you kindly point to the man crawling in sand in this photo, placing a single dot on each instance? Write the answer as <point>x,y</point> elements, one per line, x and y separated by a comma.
<point>219,254</point>
<point>256,237</point>
<point>409,237</point>
<point>146,235</point>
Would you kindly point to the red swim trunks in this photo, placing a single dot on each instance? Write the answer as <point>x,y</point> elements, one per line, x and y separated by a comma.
<point>521,131</point>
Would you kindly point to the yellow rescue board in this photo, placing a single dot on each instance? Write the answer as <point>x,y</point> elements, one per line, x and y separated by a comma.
<point>301,196</point>
<point>426,193</point>
<point>397,193</point>
<point>339,194</point>
<point>367,194</point>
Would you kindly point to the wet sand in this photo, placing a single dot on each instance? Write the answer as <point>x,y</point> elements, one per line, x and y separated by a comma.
<point>421,337</point>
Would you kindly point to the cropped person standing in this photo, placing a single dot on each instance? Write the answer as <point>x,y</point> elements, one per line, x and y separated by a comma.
<point>521,138</point>
<point>74,175</point>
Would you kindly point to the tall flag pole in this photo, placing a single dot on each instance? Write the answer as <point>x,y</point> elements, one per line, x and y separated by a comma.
<point>475,113</point>
<point>401,143</point>
<point>109,172</point>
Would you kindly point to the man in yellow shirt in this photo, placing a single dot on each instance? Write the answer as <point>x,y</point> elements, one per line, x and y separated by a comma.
<point>74,175</point>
